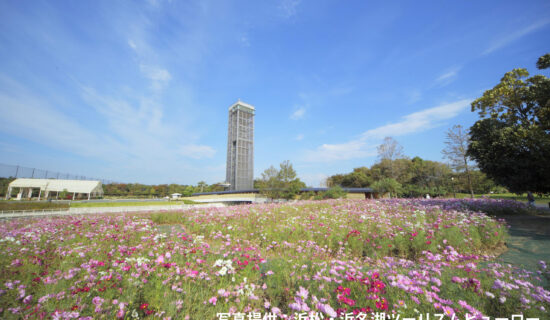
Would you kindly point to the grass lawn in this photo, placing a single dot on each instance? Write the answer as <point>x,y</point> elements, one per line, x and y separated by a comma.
<point>508,196</point>
<point>6,205</point>
<point>128,204</point>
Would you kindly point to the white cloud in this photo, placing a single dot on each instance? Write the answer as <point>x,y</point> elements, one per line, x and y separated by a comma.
<point>132,44</point>
<point>338,152</point>
<point>341,90</point>
<point>197,151</point>
<point>125,126</point>
<point>288,8</point>
<point>511,37</point>
<point>365,145</point>
<point>298,113</point>
<point>419,121</point>
<point>32,118</point>
<point>154,3</point>
<point>414,96</point>
<point>136,136</point>
<point>159,77</point>
<point>447,77</point>
<point>299,137</point>
<point>314,179</point>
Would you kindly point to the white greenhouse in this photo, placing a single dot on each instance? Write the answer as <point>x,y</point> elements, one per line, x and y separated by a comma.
<point>52,188</point>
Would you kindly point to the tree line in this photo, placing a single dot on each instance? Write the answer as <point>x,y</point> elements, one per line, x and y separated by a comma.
<point>511,141</point>
<point>283,183</point>
<point>508,148</point>
<point>139,190</point>
<point>161,190</point>
<point>416,177</point>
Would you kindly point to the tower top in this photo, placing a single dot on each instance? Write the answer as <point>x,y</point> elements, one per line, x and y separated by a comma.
<point>243,106</point>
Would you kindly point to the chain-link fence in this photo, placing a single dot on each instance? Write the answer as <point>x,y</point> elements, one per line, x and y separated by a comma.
<point>15,171</point>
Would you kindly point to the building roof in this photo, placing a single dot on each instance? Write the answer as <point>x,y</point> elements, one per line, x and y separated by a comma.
<point>79,186</point>
<point>243,104</point>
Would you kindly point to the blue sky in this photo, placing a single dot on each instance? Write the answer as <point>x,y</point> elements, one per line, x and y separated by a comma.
<point>138,91</point>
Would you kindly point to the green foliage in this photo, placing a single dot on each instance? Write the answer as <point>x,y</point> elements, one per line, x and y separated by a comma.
<point>481,184</point>
<point>539,199</point>
<point>335,192</point>
<point>544,62</point>
<point>130,204</point>
<point>389,151</point>
<point>416,176</point>
<point>456,147</point>
<point>136,190</point>
<point>307,195</point>
<point>502,207</point>
<point>166,218</point>
<point>511,143</point>
<point>387,185</point>
<point>425,176</point>
<point>513,155</point>
<point>7,205</point>
<point>63,194</point>
<point>359,178</point>
<point>4,182</point>
<point>280,184</point>
<point>292,189</point>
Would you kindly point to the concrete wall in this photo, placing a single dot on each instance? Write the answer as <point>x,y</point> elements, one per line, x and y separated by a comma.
<point>355,196</point>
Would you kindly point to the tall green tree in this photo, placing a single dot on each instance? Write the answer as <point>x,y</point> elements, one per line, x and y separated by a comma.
<point>511,141</point>
<point>387,185</point>
<point>4,182</point>
<point>389,151</point>
<point>360,178</point>
<point>282,183</point>
<point>201,185</point>
<point>270,185</point>
<point>456,148</point>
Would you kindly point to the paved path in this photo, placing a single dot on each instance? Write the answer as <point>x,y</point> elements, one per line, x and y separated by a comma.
<point>529,241</point>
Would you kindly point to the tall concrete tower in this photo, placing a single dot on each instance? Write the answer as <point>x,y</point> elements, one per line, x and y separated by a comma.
<point>240,147</point>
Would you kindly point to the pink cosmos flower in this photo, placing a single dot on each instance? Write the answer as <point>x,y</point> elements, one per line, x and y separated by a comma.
<point>27,299</point>
<point>302,293</point>
<point>327,309</point>
<point>160,259</point>
<point>448,311</point>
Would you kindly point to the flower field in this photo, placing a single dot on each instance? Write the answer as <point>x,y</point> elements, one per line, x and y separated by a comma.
<point>326,259</point>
